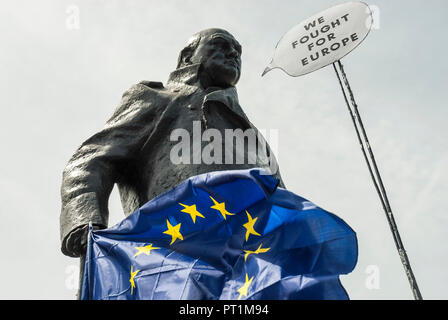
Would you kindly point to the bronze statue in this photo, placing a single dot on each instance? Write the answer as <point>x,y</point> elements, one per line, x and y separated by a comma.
<point>133,149</point>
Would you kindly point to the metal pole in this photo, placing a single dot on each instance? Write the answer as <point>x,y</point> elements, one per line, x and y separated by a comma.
<point>379,186</point>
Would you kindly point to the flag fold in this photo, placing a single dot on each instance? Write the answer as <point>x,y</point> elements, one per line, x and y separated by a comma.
<point>222,235</point>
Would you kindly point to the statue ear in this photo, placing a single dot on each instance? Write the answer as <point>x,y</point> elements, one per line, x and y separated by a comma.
<point>185,57</point>
<point>187,53</point>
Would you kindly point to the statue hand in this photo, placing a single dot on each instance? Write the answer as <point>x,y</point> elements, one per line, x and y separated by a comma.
<point>76,244</point>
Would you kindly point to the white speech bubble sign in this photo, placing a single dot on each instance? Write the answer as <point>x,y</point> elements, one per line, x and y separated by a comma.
<point>322,39</point>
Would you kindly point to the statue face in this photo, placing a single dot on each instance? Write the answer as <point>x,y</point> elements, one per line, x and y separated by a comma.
<point>220,56</point>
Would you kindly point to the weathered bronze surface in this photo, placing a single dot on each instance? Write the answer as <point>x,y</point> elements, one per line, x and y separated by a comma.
<point>133,149</point>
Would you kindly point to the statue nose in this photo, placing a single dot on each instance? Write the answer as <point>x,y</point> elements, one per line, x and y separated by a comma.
<point>233,53</point>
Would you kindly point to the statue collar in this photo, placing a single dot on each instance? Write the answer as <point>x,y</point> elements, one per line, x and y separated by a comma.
<point>186,79</point>
<point>187,75</point>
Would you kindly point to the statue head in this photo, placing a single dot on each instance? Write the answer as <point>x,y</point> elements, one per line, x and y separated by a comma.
<point>219,54</point>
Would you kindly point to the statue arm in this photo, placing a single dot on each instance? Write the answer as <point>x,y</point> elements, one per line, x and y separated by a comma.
<point>93,169</point>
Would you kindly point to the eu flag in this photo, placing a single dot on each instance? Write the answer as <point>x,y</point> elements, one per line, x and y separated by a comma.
<point>222,235</point>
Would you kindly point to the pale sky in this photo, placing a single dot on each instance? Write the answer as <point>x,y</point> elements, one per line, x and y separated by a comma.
<point>59,85</point>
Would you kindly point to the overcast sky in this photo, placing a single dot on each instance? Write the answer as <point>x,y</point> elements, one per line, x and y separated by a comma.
<point>60,84</point>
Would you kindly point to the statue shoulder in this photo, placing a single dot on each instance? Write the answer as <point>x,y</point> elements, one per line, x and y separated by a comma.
<point>138,98</point>
<point>143,88</point>
<point>149,91</point>
<point>152,84</point>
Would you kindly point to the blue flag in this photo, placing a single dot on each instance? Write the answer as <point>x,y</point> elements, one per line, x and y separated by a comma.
<point>222,235</point>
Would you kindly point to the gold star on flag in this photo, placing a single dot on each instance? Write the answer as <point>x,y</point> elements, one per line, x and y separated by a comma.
<point>133,274</point>
<point>259,250</point>
<point>192,211</point>
<point>249,225</point>
<point>221,207</point>
<point>243,289</point>
<point>174,232</point>
<point>146,250</point>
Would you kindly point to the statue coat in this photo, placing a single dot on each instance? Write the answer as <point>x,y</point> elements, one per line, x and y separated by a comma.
<point>133,149</point>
